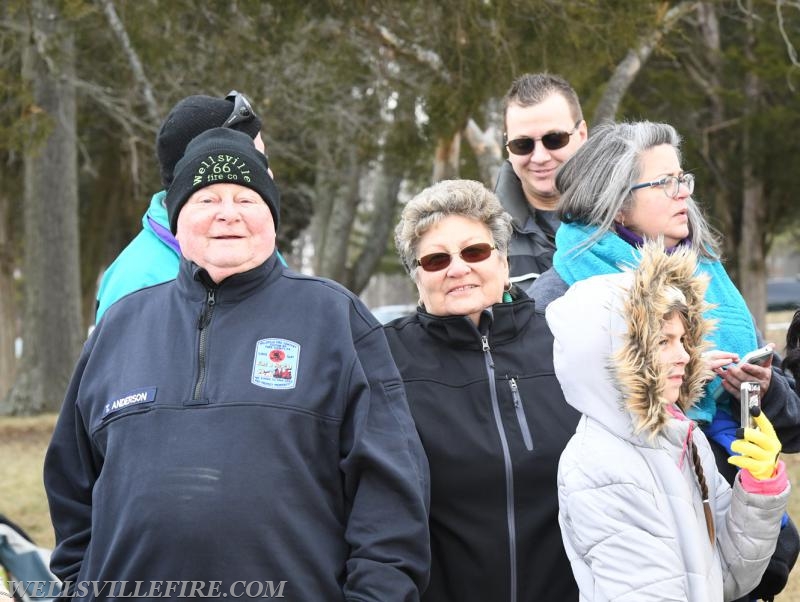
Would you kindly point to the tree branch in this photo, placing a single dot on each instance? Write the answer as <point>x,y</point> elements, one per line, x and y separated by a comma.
<point>790,49</point>
<point>133,59</point>
<point>632,64</point>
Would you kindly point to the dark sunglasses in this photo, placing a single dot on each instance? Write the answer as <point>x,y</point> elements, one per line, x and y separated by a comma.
<point>242,111</point>
<point>551,141</point>
<point>471,254</point>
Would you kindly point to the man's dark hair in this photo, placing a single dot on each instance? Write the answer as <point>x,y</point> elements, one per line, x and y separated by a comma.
<point>532,88</point>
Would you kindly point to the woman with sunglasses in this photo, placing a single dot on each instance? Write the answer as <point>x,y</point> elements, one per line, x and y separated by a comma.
<point>624,186</point>
<point>476,360</point>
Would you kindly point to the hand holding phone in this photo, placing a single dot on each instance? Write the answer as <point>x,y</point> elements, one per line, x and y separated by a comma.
<point>758,357</point>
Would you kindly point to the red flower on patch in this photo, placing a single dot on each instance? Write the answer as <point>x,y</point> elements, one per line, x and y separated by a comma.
<point>277,355</point>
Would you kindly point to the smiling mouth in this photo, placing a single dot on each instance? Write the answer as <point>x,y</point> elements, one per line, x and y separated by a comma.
<point>463,288</point>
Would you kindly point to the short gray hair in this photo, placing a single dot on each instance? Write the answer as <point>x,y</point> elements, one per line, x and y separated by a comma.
<point>595,182</point>
<point>465,198</point>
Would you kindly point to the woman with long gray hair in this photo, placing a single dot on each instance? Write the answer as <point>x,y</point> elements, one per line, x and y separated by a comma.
<point>476,361</point>
<point>626,186</point>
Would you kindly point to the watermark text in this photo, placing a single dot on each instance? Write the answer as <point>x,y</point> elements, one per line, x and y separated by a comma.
<point>40,590</point>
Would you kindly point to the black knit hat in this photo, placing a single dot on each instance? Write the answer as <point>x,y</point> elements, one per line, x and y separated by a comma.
<point>191,117</point>
<point>221,156</point>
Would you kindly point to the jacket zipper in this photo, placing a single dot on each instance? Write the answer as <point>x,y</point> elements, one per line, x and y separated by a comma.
<point>512,532</point>
<point>202,325</point>
<point>523,422</point>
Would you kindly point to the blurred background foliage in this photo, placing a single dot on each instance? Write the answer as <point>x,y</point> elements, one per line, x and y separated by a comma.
<point>364,103</point>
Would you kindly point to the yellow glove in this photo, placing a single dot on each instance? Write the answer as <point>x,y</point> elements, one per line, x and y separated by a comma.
<point>759,448</point>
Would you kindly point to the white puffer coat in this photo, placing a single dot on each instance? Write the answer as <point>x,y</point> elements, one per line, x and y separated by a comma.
<point>631,513</point>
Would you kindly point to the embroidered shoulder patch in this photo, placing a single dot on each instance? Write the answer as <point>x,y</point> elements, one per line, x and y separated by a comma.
<point>275,364</point>
<point>128,399</point>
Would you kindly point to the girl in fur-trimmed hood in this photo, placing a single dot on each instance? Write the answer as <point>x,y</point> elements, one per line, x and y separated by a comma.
<point>643,510</point>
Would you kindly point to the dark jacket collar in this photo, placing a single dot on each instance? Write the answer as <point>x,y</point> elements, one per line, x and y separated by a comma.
<point>509,190</point>
<point>194,282</point>
<point>502,322</point>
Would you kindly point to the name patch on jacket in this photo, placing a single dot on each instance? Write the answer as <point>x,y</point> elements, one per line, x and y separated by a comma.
<point>129,399</point>
<point>275,364</point>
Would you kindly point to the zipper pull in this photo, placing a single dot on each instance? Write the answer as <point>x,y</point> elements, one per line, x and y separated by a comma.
<point>514,391</point>
<point>205,315</point>
<point>485,342</point>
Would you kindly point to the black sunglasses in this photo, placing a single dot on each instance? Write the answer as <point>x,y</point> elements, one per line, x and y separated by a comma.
<point>242,111</point>
<point>471,254</point>
<point>551,141</point>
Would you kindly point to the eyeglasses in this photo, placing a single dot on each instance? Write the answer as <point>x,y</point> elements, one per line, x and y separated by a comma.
<point>671,185</point>
<point>551,141</point>
<point>242,111</point>
<point>471,254</point>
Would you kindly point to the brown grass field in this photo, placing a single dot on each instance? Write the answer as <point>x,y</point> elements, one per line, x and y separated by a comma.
<point>22,499</point>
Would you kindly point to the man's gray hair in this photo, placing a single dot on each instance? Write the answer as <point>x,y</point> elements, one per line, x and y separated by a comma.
<point>465,198</point>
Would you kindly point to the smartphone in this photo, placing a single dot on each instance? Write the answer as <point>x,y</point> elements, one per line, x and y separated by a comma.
<point>757,356</point>
<point>750,397</point>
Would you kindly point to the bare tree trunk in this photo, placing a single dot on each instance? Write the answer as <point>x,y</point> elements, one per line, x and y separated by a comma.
<point>752,261</point>
<point>324,193</point>
<point>8,302</point>
<point>632,64</point>
<point>445,162</point>
<point>488,152</point>
<point>52,329</point>
<point>379,228</point>
<point>133,60</point>
<point>706,72</point>
<point>337,222</point>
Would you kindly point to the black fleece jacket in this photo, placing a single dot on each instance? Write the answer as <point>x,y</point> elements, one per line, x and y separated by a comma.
<point>248,432</point>
<point>493,422</point>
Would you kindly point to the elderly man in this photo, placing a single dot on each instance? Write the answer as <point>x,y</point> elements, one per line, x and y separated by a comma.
<point>153,255</point>
<point>240,429</point>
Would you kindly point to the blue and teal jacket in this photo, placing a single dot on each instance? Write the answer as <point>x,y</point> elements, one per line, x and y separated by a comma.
<point>150,258</point>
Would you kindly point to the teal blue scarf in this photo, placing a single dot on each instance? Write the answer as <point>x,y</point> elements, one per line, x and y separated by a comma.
<point>609,254</point>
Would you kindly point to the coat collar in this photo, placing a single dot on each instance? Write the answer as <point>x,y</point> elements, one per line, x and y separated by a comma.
<point>193,281</point>
<point>502,322</point>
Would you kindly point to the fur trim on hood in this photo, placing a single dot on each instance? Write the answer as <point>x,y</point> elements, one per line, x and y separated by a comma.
<point>607,331</point>
<point>658,282</point>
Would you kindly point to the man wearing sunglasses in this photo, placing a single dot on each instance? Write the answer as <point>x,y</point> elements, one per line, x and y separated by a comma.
<point>153,255</point>
<point>544,127</point>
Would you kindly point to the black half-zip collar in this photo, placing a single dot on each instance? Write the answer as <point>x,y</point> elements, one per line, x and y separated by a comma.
<point>202,346</point>
<point>502,322</point>
<point>193,281</point>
